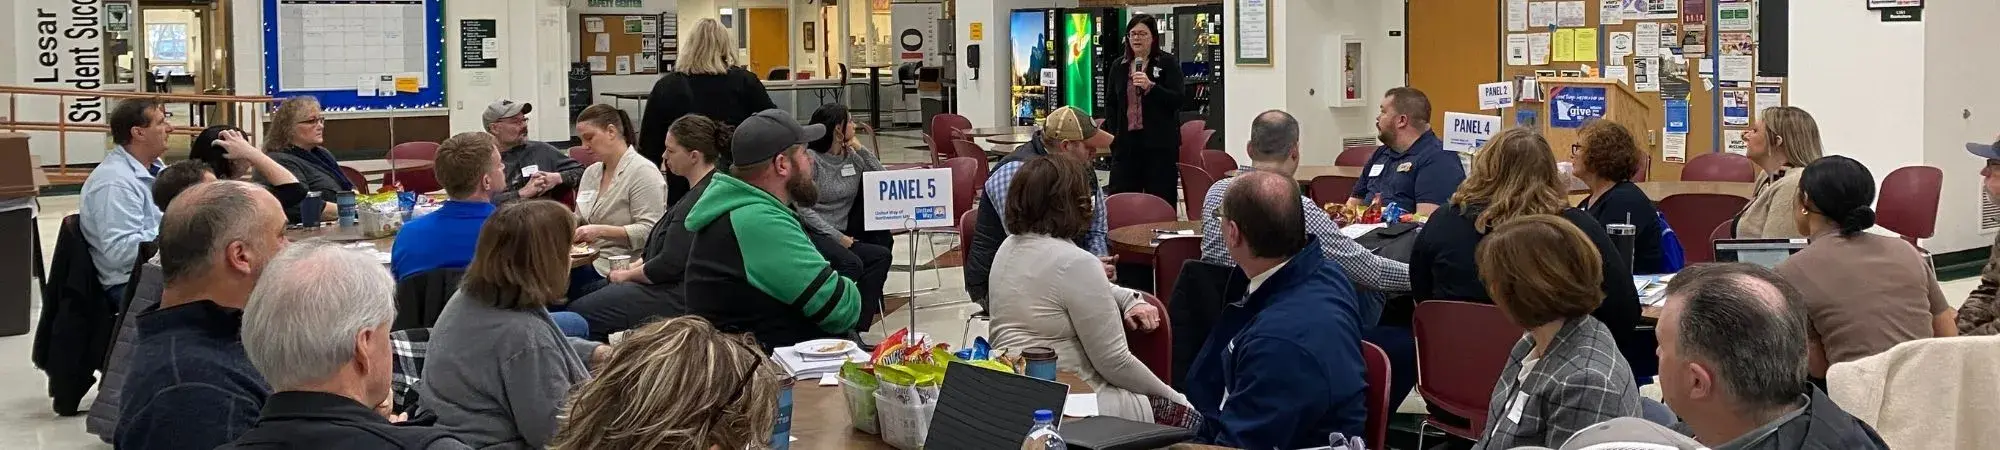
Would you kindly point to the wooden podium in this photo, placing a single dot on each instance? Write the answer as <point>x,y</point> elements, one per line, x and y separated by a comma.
<point>1564,104</point>
<point>20,179</point>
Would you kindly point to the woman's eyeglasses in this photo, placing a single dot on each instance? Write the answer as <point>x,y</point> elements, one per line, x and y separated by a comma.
<point>749,343</point>
<point>1575,149</point>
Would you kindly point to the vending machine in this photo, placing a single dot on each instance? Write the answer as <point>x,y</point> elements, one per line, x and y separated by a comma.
<point>1092,39</point>
<point>1031,38</point>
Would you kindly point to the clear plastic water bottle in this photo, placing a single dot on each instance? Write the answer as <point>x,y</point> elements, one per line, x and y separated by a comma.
<point>1043,436</point>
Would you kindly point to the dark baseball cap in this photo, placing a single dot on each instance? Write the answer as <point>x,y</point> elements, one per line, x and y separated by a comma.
<point>1988,151</point>
<point>767,134</point>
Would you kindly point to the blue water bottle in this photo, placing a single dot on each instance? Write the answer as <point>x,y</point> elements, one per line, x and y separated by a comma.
<point>1391,213</point>
<point>1043,435</point>
<point>781,435</point>
<point>348,215</point>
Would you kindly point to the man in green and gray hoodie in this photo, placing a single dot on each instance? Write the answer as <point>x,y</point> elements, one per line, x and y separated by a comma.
<point>751,267</point>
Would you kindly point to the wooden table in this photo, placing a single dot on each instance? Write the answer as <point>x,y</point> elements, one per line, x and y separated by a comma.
<point>331,231</point>
<point>1010,139</point>
<point>382,166</point>
<point>1306,174</point>
<point>820,422</point>
<point>998,131</point>
<point>1139,238</point>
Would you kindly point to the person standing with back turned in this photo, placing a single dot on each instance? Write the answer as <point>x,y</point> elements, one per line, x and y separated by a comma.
<point>705,81</point>
<point>1143,105</point>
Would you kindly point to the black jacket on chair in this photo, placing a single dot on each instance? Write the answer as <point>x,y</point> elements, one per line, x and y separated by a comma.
<point>1198,297</point>
<point>421,297</point>
<point>75,329</point>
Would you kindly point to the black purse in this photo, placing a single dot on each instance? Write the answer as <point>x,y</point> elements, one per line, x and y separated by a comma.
<point>1396,241</point>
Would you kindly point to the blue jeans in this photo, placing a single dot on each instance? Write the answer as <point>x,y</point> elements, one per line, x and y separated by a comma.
<point>571,324</point>
<point>114,295</point>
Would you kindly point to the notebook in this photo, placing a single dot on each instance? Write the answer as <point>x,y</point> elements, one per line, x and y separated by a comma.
<point>1762,252</point>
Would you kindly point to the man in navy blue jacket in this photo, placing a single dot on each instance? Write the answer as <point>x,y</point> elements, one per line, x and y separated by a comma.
<point>1283,366</point>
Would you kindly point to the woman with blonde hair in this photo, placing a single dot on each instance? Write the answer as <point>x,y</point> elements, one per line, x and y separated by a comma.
<point>707,81</point>
<point>294,141</point>
<point>1782,142</point>
<point>618,199</point>
<point>676,384</point>
<point>1514,176</point>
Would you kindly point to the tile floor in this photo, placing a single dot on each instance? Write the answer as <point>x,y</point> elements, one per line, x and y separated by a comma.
<point>26,421</point>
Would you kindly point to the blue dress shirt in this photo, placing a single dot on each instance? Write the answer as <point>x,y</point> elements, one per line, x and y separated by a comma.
<point>118,213</point>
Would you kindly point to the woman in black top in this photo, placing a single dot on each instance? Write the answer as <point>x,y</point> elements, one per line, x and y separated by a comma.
<point>1606,158</point>
<point>297,131</point>
<point>1141,109</point>
<point>228,153</point>
<point>707,82</point>
<point>1503,185</point>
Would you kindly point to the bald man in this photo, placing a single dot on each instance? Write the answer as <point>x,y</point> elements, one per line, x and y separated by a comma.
<point>1287,358</point>
<point>191,384</point>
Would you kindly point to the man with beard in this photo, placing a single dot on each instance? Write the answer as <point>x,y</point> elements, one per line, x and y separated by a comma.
<point>535,169</point>
<point>751,267</point>
<point>1412,166</point>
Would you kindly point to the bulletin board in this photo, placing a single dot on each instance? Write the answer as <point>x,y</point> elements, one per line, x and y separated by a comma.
<point>1715,42</point>
<point>327,48</point>
<point>604,40</point>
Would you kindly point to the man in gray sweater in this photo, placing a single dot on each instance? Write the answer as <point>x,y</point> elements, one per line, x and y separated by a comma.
<point>535,169</point>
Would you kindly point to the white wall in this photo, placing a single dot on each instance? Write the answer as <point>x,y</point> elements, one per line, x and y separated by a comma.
<point>1299,74</point>
<point>532,39</point>
<point>1958,78</point>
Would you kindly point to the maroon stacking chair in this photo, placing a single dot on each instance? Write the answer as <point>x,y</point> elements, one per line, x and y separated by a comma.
<point>1194,188</point>
<point>1355,156</point>
<point>1909,202</point>
<point>1134,208</point>
<point>1169,257</point>
<point>354,176</point>
<point>415,180</point>
<point>1380,406</point>
<point>1720,167</point>
<point>1645,167</point>
<point>1461,350</point>
<point>1331,189</point>
<point>1726,230</point>
<point>583,155</point>
<point>1696,212</point>
<point>1193,139</point>
<point>967,175</point>
<point>945,127</point>
<point>967,149</point>
<point>1218,163</point>
<point>1155,348</point>
<point>967,223</point>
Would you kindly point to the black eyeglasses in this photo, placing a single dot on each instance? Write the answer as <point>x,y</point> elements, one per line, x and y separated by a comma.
<point>1575,149</point>
<point>749,343</point>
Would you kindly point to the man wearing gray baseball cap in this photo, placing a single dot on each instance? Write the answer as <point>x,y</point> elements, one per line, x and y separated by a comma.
<point>534,168</point>
<point>1980,314</point>
<point>749,265</point>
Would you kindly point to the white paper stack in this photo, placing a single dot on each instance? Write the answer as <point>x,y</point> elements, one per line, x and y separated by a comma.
<point>812,367</point>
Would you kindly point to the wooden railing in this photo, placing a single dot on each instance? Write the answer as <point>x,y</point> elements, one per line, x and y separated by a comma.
<point>246,112</point>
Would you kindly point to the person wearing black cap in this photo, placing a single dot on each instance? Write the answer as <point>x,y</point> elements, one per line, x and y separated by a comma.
<point>230,155</point>
<point>534,169</point>
<point>1980,314</point>
<point>751,266</point>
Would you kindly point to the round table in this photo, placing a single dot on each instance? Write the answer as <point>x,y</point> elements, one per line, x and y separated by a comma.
<point>998,131</point>
<point>382,166</point>
<point>1306,174</point>
<point>1140,238</point>
<point>1010,139</point>
<point>331,231</point>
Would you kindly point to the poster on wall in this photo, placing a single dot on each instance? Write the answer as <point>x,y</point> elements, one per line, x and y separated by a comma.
<point>1733,16</point>
<point>478,44</point>
<point>1619,72</point>
<point>1541,15</point>
<point>1621,46</point>
<point>1570,106</point>
<point>1645,74</point>
<point>1253,32</point>
<point>1646,39</point>
<point>1674,148</point>
<point>1517,49</point>
<point>1611,12</point>
<point>1694,12</point>
<point>1694,40</point>
<point>1732,141</point>
<point>1677,116</point>
<point>1517,15</point>
<point>1661,9</point>
<point>1769,97</point>
<point>1736,107</point>
<point>1570,14</point>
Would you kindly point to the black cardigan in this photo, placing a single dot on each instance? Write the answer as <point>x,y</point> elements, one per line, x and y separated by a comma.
<point>1161,104</point>
<point>729,97</point>
<point>1442,268</point>
<point>1625,200</point>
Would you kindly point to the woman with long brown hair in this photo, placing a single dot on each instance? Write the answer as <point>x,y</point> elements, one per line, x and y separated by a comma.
<point>676,384</point>
<point>499,368</point>
<point>1514,176</point>
<point>619,198</point>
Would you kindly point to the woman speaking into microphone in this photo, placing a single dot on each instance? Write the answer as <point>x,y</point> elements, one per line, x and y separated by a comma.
<point>1142,109</point>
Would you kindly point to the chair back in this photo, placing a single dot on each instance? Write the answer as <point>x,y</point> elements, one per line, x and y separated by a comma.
<point>1354,156</point>
<point>945,127</point>
<point>968,223</point>
<point>1724,231</point>
<point>415,180</point>
<point>1696,212</point>
<point>1155,348</point>
<point>1167,261</point>
<point>355,177</point>
<point>1218,163</point>
<point>414,150</point>
<point>1192,141</point>
<point>1331,189</point>
<point>1379,403</point>
<point>421,297</point>
<point>1720,167</point>
<point>1909,202</point>
<point>146,251</point>
<point>966,178</point>
<point>1133,208</point>
<point>583,155</point>
<point>1194,189</point>
<point>967,149</point>
<point>1645,166</point>
<point>1461,350</point>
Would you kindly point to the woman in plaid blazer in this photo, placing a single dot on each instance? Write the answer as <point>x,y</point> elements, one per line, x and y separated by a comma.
<point>1566,373</point>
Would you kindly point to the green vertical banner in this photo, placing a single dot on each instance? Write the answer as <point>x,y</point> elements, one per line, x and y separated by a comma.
<point>1079,60</point>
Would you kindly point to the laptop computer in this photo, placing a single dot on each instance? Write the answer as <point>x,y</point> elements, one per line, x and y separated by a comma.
<point>1762,252</point>
<point>985,409</point>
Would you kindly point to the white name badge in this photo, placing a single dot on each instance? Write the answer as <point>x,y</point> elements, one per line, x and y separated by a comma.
<point>847,170</point>
<point>1514,409</point>
<point>530,171</point>
<point>1375,170</point>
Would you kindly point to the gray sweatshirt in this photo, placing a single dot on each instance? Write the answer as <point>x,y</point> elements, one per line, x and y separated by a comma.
<point>496,377</point>
<point>839,180</point>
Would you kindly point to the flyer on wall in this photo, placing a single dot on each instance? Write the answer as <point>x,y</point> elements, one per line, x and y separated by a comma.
<point>1674,148</point>
<point>1736,107</point>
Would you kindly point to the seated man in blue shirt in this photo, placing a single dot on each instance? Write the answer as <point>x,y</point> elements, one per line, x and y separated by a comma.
<point>1412,167</point>
<point>1067,131</point>
<point>1282,368</point>
<point>469,168</point>
<point>118,210</point>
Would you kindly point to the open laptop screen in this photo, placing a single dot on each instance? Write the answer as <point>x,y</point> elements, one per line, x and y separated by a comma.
<point>1762,252</point>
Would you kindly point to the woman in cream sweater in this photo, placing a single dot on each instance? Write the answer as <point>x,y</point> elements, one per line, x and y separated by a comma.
<point>1782,142</point>
<point>1047,292</point>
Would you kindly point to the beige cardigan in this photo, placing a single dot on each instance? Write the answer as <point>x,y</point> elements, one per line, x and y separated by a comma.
<point>1924,394</point>
<point>1774,212</point>
<point>637,199</point>
<point>1048,292</point>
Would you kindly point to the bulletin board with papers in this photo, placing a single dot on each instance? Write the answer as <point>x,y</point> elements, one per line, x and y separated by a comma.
<point>621,44</point>
<point>356,55</point>
<point>1692,61</point>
